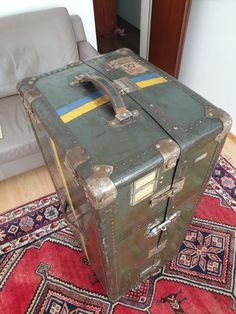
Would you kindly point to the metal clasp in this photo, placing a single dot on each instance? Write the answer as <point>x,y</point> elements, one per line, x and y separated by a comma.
<point>165,224</point>
<point>155,228</point>
<point>176,188</point>
<point>152,229</point>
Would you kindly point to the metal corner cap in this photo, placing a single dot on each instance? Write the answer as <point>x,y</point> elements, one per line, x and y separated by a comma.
<point>74,157</point>
<point>31,95</point>
<point>224,117</point>
<point>100,189</point>
<point>28,81</point>
<point>170,152</point>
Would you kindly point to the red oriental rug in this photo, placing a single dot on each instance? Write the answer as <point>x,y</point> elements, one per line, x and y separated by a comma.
<point>42,268</point>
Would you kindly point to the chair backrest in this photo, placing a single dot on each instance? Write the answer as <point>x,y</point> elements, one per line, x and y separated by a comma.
<point>34,43</point>
<point>78,28</point>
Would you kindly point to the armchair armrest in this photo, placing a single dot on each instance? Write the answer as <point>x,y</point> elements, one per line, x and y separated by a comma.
<point>86,50</point>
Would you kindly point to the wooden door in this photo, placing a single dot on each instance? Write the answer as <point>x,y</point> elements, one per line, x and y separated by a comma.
<point>168,28</point>
<point>105,16</point>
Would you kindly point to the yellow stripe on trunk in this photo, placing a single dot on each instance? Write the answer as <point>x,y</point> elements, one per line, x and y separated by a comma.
<point>75,113</point>
<point>151,82</point>
<point>85,108</point>
<point>67,190</point>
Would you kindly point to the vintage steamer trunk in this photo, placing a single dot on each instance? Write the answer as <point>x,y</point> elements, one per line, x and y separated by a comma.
<point>130,150</point>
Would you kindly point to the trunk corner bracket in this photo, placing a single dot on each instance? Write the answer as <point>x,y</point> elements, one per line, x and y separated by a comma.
<point>170,152</point>
<point>224,117</point>
<point>100,189</point>
<point>74,157</point>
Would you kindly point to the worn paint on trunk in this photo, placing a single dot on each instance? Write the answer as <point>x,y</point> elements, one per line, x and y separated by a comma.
<point>134,184</point>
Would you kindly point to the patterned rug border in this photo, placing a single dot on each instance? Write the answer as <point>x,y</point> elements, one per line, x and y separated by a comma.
<point>27,203</point>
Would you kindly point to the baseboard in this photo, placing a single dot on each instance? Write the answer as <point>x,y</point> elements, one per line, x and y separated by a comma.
<point>232,137</point>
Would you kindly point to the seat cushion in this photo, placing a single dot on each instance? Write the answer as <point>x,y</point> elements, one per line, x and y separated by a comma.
<point>34,43</point>
<point>18,138</point>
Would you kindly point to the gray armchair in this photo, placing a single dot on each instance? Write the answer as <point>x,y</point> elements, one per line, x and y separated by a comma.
<point>31,44</point>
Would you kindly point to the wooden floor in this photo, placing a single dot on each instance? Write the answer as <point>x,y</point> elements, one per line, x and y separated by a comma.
<point>129,38</point>
<point>24,188</point>
<point>34,184</point>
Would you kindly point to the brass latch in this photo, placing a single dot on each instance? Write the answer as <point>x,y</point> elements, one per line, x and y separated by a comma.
<point>176,188</point>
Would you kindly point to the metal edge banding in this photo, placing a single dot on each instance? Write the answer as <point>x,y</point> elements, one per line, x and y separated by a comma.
<point>67,190</point>
<point>112,238</point>
<point>28,98</point>
<point>30,81</point>
<point>101,192</point>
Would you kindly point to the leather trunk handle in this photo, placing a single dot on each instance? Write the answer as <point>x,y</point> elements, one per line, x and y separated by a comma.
<point>121,112</point>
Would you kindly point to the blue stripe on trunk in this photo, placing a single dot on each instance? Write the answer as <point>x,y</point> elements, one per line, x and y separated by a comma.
<point>80,102</point>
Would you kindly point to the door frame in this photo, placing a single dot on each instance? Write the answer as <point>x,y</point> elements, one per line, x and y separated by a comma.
<point>145,27</point>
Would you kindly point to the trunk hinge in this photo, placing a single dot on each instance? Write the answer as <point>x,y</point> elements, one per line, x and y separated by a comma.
<point>160,196</point>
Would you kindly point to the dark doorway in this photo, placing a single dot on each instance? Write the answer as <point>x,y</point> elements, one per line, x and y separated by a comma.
<point>117,24</point>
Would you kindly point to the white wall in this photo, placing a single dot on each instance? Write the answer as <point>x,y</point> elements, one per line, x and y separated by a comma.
<point>84,8</point>
<point>145,28</point>
<point>209,56</point>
